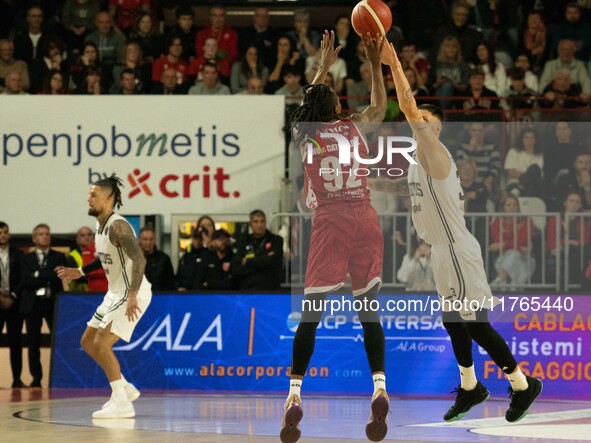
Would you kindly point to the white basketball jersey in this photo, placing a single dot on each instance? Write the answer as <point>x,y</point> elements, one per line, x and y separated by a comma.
<point>115,262</point>
<point>437,205</point>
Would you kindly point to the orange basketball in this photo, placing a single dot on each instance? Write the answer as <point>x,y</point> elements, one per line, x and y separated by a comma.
<point>372,16</point>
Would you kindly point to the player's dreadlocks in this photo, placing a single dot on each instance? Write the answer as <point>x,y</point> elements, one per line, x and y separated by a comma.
<point>115,184</point>
<point>318,106</point>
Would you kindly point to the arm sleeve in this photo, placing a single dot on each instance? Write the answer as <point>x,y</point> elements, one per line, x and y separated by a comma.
<point>94,265</point>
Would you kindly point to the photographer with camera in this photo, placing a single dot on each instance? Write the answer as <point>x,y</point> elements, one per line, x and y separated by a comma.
<point>190,271</point>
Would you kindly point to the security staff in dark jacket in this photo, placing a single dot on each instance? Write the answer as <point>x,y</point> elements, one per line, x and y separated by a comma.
<point>258,256</point>
<point>38,288</point>
<point>189,274</point>
<point>10,258</point>
<point>158,270</point>
<point>217,263</point>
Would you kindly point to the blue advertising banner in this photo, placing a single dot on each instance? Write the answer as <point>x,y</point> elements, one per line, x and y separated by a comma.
<point>243,343</point>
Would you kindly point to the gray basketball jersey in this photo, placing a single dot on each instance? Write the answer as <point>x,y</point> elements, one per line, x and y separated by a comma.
<point>115,262</point>
<point>437,205</point>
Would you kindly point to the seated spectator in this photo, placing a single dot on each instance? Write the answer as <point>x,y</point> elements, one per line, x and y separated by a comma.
<point>9,64</point>
<point>109,42</point>
<point>485,155</point>
<point>13,85</point>
<point>566,60</point>
<point>78,20</point>
<point>210,84</point>
<point>286,56</point>
<point>28,43</point>
<point>560,151</point>
<point>577,179</point>
<point>519,98</point>
<point>172,59</point>
<point>226,37</point>
<point>258,256</point>
<point>53,57</point>
<point>359,93</point>
<point>495,76</point>
<point>261,35</point>
<point>479,100</point>
<point>574,28</point>
<point>88,58</point>
<point>346,38</point>
<point>512,240</point>
<point>531,79</point>
<point>148,37</point>
<point>475,198</point>
<point>338,70</point>
<point>410,58</point>
<point>292,89</point>
<point>562,93</point>
<point>524,165</point>
<point>190,271</point>
<point>574,233</point>
<point>449,76</point>
<point>534,40</point>
<point>458,28</point>
<point>417,91</point>
<point>168,84</point>
<point>217,263</point>
<point>54,83</point>
<point>123,13</point>
<point>416,270</point>
<point>253,87</point>
<point>128,83</point>
<point>186,30</point>
<point>354,65</point>
<point>249,66</point>
<point>158,265</point>
<point>132,60</point>
<point>307,41</point>
<point>91,85</point>
<point>209,55</point>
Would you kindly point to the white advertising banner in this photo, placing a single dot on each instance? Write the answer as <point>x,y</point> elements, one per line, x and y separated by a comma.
<point>185,154</point>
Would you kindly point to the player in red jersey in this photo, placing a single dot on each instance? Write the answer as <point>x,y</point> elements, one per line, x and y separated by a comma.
<point>346,235</point>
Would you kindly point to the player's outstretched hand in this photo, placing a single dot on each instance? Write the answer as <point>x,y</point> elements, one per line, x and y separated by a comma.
<point>373,47</point>
<point>388,55</point>
<point>67,273</point>
<point>133,310</point>
<point>328,53</point>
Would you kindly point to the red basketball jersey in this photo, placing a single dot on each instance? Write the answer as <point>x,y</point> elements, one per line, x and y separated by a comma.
<point>327,180</point>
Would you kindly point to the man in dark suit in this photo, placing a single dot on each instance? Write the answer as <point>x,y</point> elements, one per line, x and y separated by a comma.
<point>9,278</point>
<point>38,288</point>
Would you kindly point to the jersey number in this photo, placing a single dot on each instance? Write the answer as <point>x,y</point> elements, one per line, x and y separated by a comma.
<point>333,175</point>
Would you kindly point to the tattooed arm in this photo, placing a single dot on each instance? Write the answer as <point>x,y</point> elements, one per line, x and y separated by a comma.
<point>397,186</point>
<point>121,235</point>
<point>431,153</point>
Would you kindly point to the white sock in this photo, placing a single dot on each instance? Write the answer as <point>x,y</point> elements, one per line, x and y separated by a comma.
<point>125,382</point>
<point>379,382</point>
<point>467,378</point>
<point>295,387</point>
<point>518,380</point>
<point>118,387</point>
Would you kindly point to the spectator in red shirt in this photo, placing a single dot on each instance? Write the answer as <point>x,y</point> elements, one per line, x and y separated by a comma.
<point>226,37</point>
<point>209,53</point>
<point>124,12</point>
<point>171,60</point>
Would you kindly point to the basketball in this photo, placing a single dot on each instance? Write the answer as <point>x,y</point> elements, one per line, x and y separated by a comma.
<point>372,16</point>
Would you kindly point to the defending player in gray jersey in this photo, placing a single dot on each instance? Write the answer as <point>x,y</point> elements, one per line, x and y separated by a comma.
<point>128,297</point>
<point>437,213</point>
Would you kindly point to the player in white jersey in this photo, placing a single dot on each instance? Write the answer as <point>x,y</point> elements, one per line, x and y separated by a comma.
<point>437,214</point>
<point>128,297</point>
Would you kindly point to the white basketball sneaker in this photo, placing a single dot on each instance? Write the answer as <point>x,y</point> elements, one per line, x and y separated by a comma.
<point>131,392</point>
<point>116,409</point>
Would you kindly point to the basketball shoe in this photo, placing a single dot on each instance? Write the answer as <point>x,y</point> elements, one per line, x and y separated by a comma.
<point>117,409</point>
<point>292,415</point>
<point>465,400</point>
<point>377,427</point>
<point>131,392</point>
<point>522,400</point>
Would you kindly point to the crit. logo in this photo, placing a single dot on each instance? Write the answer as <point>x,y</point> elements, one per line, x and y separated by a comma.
<point>138,183</point>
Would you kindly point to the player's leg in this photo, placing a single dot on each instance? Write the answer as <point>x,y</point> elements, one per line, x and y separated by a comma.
<point>470,392</point>
<point>303,349</point>
<point>524,389</point>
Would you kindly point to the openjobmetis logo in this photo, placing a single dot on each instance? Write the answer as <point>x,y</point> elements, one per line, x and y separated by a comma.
<point>138,183</point>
